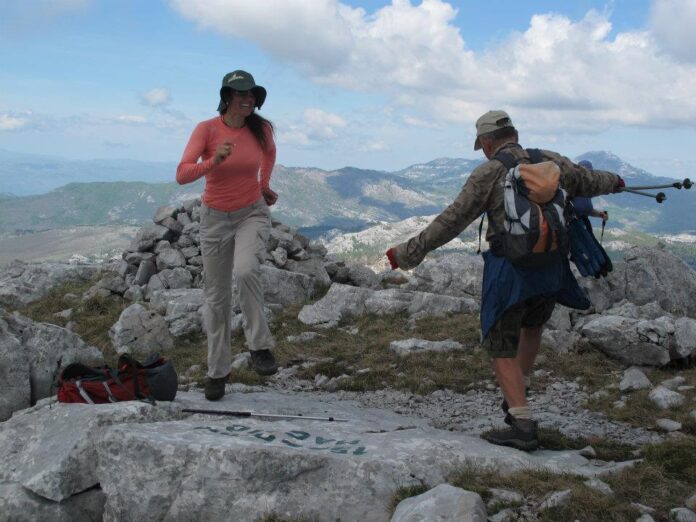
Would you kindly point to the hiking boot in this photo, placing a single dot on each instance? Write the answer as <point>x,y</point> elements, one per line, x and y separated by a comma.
<point>521,435</point>
<point>263,362</point>
<point>215,388</point>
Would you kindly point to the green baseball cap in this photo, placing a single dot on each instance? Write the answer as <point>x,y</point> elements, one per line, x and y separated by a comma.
<point>241,81</point>
<point>490,122</point>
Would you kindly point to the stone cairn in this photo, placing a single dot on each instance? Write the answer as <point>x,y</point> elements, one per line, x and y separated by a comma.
<point>167,255</point>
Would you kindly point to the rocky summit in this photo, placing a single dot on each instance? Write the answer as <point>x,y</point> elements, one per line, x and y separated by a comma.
<point>377,410</point>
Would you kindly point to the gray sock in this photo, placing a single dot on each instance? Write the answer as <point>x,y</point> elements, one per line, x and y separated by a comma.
<point>521,412</point>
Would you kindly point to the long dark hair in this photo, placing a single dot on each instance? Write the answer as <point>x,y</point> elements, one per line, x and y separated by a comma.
<point>254,121</point>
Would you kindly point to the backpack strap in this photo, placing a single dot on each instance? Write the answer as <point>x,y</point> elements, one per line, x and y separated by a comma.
<point>535,155</point>
<point>483,216</point>
<point>507,159</point>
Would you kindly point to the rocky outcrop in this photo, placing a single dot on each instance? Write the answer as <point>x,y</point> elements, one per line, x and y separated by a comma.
<point>344,301</point>
<point>23,283</point>
<point>30,356</point>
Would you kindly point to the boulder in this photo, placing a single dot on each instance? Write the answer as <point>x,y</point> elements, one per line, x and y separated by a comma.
<point>442,503</point>
<point>633,341</point>
<point>51,449</point>
<point>634,379</point>
<point>682,515</point>
<point>458,275</point>
<point>142,331</point>
<point>15,387</point>
<point>654,274</point>
<point>665,398</point>
<point>684,337</point>
<point>24,283</point>
<point>560,341</point>
<point>164,212</point>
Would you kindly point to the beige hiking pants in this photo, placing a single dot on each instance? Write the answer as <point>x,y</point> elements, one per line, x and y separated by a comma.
<point>233,242</point>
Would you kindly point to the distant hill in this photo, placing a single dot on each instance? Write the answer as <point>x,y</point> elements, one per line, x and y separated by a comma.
<point>316,200</point>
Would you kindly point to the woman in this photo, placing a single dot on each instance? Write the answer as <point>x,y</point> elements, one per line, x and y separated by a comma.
<point>238,154</point>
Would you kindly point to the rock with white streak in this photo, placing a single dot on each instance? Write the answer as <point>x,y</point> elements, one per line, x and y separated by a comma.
<point>556,499</point>
<point>665,398</point>
<point>409,346</point>
<point>441,504</point>
<point>634,379</point>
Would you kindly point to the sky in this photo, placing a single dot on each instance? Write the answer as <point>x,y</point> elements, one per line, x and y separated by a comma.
<point>371,84</point>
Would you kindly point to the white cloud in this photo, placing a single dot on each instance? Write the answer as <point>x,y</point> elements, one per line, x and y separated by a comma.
<point>673,22</point>
<point>10,121</point>
<point>157,97</point>
<point>557,74</point>
<point>316,126</point>
<point>131,119</point>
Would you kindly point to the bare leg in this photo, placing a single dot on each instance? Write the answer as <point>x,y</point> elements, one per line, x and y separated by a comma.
<point>511,380</point>
<point>528,348</point>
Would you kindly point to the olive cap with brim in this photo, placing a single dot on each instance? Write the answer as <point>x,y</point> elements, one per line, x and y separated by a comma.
<point>241,81</point>
<point>491,122</point>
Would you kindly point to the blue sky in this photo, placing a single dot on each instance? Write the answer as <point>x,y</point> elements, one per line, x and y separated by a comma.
<point>372,84</point>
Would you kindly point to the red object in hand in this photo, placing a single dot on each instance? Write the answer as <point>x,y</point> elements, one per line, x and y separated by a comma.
<point>392,259</point>
<point>621,184</point>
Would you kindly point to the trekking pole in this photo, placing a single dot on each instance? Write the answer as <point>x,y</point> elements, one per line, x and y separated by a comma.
<point>601,239</point>
<point>263,415</point>
<point>659,197</point>
<point>686,183</point>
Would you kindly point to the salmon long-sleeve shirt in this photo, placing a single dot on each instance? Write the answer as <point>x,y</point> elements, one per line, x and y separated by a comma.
<point>236,182</point>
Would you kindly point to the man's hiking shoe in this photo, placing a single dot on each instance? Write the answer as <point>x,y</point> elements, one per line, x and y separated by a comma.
<point>215,388</point>
<point>522,435</point>
<point>263,362</point>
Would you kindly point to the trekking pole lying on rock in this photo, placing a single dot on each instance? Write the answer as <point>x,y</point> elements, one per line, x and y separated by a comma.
<point>264,415</point>
<point>659,197</point>
<point>686,183</point>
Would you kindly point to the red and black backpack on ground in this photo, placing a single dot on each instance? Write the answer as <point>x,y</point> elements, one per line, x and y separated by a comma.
<point>155,380</point>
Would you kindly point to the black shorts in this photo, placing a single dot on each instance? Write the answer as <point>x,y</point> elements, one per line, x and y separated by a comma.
<point>504,336</point>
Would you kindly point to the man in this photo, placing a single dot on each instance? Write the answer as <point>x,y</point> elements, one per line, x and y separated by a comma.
<point>516,301</point>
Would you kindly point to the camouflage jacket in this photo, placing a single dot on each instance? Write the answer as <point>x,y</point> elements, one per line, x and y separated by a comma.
<point>483,192</point>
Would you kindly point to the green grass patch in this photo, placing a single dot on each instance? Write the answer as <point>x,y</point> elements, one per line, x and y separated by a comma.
<point>91,318</point>
<point>662,480</point>
<point>341,353</point>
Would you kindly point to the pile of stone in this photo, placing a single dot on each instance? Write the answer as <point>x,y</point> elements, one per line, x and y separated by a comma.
<point>167,255</point>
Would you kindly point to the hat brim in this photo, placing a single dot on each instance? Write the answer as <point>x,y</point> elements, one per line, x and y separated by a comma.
<point>477,143</point>
<point>259,96</point>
